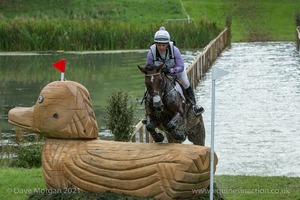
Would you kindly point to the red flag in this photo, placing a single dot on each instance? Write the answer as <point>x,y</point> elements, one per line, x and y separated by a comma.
<point>60,65</point>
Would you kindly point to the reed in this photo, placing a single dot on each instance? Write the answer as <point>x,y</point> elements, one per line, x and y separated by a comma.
<point>32,34</point>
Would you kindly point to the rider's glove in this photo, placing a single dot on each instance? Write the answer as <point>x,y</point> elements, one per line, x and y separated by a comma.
<point>166,70</point>
<point>172,70</point>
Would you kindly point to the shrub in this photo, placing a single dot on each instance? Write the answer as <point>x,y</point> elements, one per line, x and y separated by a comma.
<point>120,116</point>
<point>29,154</point>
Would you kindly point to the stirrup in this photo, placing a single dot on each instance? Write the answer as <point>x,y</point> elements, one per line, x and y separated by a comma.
<point>198,110</point>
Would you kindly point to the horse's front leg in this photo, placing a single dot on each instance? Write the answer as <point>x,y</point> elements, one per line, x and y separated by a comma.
<point>157,137</point>
<point>151,125</point>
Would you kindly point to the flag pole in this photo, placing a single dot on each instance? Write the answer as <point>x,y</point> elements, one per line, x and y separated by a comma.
<point>62,76</point>
<point>61,66</point>
<point>216,73</point>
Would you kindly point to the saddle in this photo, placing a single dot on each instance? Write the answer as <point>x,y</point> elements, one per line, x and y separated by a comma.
<point>178,87</point>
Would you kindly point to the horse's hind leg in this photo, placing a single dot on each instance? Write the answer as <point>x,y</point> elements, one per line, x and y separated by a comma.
<point>157,137</point>
<point>197,133</point>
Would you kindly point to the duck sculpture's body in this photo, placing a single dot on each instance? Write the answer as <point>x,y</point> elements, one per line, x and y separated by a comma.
<point>73,157</point>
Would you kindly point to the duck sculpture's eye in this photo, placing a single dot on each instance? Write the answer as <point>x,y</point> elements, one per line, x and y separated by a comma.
<point>55,115</point>
<point>40,99</point>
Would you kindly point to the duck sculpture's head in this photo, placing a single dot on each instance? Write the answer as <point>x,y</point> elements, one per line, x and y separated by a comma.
<point>63,110</point>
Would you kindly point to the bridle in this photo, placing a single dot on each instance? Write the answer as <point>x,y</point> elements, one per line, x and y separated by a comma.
<point>155,93</point>
<point>164,86</point>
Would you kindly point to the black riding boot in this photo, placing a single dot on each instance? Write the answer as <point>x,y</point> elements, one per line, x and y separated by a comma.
<point>191,98</point>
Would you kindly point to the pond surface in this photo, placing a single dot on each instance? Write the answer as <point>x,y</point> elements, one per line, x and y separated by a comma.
<point>23,75</point>
<point>257,120</point>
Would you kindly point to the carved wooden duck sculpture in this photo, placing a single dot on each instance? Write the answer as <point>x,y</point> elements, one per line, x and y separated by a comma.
<point>73,157</point>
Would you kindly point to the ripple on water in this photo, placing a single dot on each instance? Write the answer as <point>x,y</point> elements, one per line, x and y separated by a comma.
<point>257,119</point>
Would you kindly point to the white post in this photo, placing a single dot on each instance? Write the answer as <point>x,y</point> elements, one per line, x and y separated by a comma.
<point>62,76</point>
<point>216,73</point>
<point>212,153</point>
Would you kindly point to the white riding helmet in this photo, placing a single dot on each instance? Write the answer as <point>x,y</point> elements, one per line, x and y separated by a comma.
<point>162,36</point>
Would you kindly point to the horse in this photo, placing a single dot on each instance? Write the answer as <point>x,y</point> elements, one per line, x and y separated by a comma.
<point>168,111</point>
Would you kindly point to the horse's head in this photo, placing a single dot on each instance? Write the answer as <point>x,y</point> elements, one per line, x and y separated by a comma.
<point>155,84</point>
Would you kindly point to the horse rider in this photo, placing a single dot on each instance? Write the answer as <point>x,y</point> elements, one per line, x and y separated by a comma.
<point>164,51</point>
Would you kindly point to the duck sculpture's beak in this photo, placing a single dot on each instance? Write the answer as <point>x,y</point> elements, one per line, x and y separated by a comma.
<point>62,110</point>
<point>22,117</point>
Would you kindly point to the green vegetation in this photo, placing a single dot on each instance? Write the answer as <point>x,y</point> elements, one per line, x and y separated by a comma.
<point>252,20</point>
<point>120,116</point>
<point>122,24</point>
<point>31,34</point>
<point>18,183</point>
<point>254,187</point>
<point>24,152</point>
<point>29,155</point>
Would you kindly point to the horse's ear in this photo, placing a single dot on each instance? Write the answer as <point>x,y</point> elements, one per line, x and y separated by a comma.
<point>160,67</point>
<point>142,69</point>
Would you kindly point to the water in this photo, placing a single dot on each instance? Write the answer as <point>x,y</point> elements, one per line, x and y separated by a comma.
<point>257,121</point>
<point>23,75</point>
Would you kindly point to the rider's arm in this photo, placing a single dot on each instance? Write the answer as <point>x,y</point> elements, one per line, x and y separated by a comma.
<point>149,60</point>
<point>179,67</point>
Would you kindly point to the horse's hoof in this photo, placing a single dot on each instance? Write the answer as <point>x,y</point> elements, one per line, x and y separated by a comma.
<point>179,136</point>
<point>197,110</point>
<point>150,127</point>
<point>158,137</point>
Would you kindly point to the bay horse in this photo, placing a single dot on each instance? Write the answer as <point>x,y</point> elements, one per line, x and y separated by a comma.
<point>167,109</point>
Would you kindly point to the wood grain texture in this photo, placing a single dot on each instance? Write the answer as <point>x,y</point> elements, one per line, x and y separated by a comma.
<point>165,171</point>
<point>63,110</point>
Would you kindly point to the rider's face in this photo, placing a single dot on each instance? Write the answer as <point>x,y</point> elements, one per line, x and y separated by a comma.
<point>161,47</point>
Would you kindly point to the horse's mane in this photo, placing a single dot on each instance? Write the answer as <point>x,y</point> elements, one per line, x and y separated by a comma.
<point>150,67</point>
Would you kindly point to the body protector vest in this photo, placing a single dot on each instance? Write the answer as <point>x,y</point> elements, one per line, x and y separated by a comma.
<point>168,58</point>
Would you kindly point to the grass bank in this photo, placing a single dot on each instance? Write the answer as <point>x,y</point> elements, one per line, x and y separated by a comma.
<point>252,20</point>
<point>18,183</point>
<point>255,20</point>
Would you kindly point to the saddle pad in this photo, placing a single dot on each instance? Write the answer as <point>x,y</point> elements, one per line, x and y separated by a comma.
<point>179,89</point>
